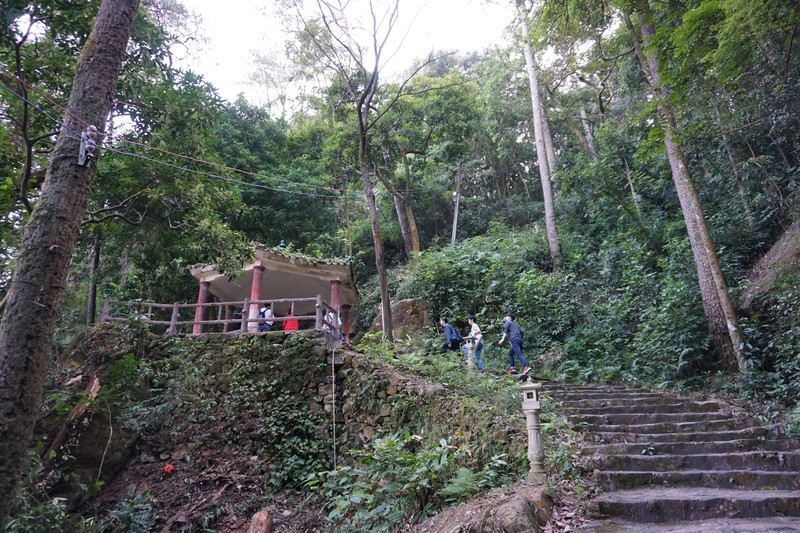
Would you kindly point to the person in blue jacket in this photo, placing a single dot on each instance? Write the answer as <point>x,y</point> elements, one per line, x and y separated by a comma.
<point>451,337</point>
<point>513,331</point>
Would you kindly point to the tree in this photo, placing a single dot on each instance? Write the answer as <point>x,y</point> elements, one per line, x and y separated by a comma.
<point>719,311</point>
<point>49,239</point>
<point>539,131</point>
<point>430,127</point>
<point>358,67</point>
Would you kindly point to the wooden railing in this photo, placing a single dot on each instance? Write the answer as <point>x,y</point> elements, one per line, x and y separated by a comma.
<point>155,314</point>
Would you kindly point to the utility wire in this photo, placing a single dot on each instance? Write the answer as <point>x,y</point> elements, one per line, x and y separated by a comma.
<point>208,174</point>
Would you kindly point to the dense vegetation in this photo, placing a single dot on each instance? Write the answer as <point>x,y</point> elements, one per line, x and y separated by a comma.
<point>189,178</point>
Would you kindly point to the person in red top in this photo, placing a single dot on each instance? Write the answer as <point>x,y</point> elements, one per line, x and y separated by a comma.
<point>291,325</point>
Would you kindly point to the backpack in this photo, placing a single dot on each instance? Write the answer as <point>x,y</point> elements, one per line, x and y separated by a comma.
<point>457,335</point>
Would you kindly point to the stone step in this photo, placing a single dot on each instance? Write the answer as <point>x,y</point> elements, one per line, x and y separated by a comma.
<point>680,504</point>
<point>756,431</point>
<point>624,401</point>
<point>636,419</point>
<point>689,448</point>
<point>777,524</point>
<point>673,406</point>
<point>599,397</point>
<point>757,460</point>
<point>727,424</point>
<point>724,479</point>
<point>557,388</point>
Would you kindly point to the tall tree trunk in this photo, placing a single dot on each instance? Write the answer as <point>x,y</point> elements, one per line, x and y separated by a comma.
<point>91,303</point>
<point>369,192</point>
<point>402,221</point>
<point>549,149</point>
<point>719,312</point>
<point>581,137</point>
<point>412,221</point>
<point>587,128</point>
<point>401,211</point>
<point>541,150</point>
<point>35,294</point>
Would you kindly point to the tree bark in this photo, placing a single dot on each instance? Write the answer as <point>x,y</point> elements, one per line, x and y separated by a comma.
<point>412,221</point>
<point>588,129</point>
<point>383,283</point>
<point>722,322</point>
<point>401,210</point>
<point>91,303</point>
<point>48,242</point>
<point>581,137</point>
<point>402,219</point>
<point>541,150</point>
<point>549,149</point>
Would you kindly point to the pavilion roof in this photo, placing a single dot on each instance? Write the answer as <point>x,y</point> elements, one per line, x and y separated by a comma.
<point>285,276</point>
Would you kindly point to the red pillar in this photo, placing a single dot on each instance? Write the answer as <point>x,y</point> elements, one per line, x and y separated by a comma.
<point>345,315</point>
<point>255,294</point>
<point>200,312</point>
<point>335,297</point>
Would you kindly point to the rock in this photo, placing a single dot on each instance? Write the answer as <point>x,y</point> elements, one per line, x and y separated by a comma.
<point>409,318</point>
<point>385,410</point>
<point>526,509</point>
<point>324,390</point>
<point>368,432</point>
<point>147,457</point>
<point>261,523</point>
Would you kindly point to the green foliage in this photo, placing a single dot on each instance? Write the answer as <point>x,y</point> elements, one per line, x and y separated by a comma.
<point>396,484</point>
<point>33,511</point>
<point>265,415</point>
<point>476,276</point>
<point>133,514</point>
<point>463,485</point>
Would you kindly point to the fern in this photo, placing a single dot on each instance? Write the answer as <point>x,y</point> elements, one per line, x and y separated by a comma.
<point>460,487</point>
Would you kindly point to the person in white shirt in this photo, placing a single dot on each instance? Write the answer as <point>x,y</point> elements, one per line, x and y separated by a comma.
<point>475,333</point>
<point>265,312</point>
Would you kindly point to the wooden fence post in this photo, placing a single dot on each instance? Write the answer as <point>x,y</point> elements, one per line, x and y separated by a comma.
<point>245,314</point>
<point>320,311</point>
<point>173,322</point>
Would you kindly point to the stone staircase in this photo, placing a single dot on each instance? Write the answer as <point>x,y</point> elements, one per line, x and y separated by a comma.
<point>671,464</point>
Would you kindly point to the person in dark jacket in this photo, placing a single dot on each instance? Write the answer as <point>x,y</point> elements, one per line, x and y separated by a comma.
<point>451,339</point>
<point>513,331</point>
<point>236,321</point>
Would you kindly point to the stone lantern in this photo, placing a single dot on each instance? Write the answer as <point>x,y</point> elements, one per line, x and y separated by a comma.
<point>531,406</point>
<point>471,346</point>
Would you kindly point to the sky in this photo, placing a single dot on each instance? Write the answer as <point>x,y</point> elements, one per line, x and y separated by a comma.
<point>235,28</point>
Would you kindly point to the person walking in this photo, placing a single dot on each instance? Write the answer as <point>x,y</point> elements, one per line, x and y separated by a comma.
<point>291,325</point>
<point>265,312</point>
<point>452,338</point>
<point>477,339</point>
<point>513,331</point>
<point>236,321</point>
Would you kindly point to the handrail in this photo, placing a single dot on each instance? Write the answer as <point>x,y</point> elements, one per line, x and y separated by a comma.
<point>321,323</point>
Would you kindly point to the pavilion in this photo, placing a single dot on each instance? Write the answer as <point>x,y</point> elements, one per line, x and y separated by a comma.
<point>275,275</point>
